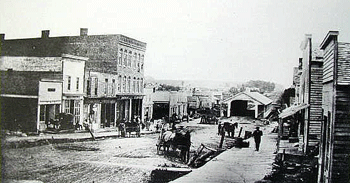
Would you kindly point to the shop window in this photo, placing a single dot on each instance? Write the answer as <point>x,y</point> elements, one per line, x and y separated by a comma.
<point>76,111</point>
<point>42,112</point>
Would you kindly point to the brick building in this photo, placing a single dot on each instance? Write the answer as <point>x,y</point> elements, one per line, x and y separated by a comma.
<point>114,71</point>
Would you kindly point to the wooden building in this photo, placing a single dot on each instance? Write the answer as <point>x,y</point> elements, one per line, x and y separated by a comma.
<point>305,116</point>
<point>334,159</point>
<point>35,89</point>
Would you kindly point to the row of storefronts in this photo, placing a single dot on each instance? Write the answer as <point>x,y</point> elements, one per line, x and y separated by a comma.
<point>319,118</point>
<point>97,79</point>
<point>56,94</point>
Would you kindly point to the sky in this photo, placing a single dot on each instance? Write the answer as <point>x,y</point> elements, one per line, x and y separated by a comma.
<point>226,40</point>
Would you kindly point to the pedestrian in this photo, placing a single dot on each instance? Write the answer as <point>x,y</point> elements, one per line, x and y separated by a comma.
<point>257,138</point>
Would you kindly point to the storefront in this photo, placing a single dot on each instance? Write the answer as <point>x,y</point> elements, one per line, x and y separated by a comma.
<point>49,103</point>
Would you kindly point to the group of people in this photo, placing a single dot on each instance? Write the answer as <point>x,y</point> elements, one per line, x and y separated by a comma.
<point>230,127</point>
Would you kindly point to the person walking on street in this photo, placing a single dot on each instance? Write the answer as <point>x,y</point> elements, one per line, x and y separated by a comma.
<point>257,138</point>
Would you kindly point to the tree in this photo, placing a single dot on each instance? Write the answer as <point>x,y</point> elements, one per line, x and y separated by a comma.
<point>165,87</point>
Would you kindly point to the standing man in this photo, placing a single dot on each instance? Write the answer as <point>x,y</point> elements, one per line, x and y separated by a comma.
<point>257,138</point>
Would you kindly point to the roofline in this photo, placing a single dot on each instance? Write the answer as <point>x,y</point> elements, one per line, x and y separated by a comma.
<point>75,57</point>
<point>327,39</point>
<point>118,35</point>
<point>225,101</point>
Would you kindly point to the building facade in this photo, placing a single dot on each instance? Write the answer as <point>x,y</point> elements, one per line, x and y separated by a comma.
<point>310,93</point>
<point>36,89</point>
<point>335,139</point>
<point>113,86</point>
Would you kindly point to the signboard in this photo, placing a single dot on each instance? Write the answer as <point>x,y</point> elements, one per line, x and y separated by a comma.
<point>50,92</point>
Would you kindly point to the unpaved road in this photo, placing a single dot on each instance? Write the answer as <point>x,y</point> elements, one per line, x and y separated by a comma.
<point>105,160</point>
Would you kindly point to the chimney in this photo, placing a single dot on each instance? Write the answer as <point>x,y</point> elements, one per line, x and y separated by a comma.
<point>83,31</point>
<point>45,33</point>
<point>2,37</point>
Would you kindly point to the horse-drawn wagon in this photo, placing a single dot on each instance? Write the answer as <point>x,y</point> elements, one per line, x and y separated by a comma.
<point>130,127</point>
<point>177,139</point>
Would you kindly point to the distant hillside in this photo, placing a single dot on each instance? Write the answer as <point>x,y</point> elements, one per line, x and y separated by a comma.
<point>210,84</point>
<point>194,83</point>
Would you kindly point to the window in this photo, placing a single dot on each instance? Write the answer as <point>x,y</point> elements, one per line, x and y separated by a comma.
<point>69,82</point>
<point>120,59</point>
<point>113,86</point>
<point>96,85</point>
<point>76,111</point>
<point>129,83</point>
<point>134,60</point>
<point>67,105</point>
<point>42,112</point>
<point>77,83</point>
<point>129,59</point>
<point>106,86</point>
<point>134,85</point>
<point>124,84</point>
<point>141,87</point>
<point>119,83</point>
<point>125,58</point>
<point>88,86</point>
<point>51,89</point>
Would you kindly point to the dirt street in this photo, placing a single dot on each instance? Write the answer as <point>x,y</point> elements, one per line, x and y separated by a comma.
<point>104,160</point>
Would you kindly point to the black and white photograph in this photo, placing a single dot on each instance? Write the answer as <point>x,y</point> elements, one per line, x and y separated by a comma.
<point>179,91</point>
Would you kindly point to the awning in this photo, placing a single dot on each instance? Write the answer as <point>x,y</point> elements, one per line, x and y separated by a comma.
<point>292,110</point>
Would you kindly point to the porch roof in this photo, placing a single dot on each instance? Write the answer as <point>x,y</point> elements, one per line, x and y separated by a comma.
<point>292,110</point>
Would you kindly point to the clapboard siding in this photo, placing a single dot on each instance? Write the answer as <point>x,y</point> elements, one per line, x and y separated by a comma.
<point>315,103</point>
<point>341,146</point>
<point>343,69</point>
<point>328,62</point>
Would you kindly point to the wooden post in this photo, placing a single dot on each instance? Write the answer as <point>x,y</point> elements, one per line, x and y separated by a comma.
<point>240,131</point>
<point>92,135</point>
<point>222,137</point>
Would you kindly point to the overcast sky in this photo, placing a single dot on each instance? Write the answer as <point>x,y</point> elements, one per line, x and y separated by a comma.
<point>235,40</point>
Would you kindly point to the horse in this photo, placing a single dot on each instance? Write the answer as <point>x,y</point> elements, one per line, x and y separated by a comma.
<point>176,139</point>
<point>230,128</point>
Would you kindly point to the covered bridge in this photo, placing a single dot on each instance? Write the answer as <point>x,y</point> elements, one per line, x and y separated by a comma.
<point>251,104</point>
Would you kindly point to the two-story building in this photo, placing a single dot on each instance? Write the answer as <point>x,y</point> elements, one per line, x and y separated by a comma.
<point>334,164</point>
<point>305,115</point>
<point>35,89</point>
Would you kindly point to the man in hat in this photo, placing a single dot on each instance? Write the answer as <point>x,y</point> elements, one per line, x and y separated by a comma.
<point>257,138</point>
